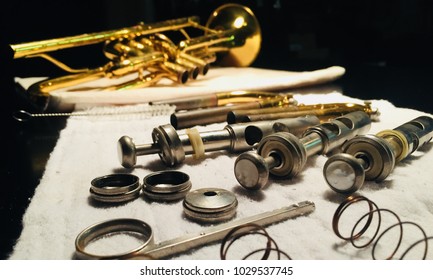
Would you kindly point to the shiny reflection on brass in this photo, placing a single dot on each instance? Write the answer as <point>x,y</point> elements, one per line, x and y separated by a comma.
<point>233,100</point>
<point>324,111</point>
<point>232,37</point>
<point>226,98</point>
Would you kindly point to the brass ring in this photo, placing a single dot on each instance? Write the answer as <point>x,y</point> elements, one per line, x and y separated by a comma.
<point>404,144</point>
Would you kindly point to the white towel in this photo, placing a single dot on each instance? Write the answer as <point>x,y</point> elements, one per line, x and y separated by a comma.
<point>217,80</point>
<point>61,206</point>
<point>86,149</point>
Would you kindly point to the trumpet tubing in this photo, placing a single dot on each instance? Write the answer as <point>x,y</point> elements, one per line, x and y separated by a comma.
<point>323,111</point>
<point>232,37</point>
<point>33,48</point>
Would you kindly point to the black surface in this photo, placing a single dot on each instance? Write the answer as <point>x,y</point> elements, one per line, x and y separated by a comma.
<point>385,47</point>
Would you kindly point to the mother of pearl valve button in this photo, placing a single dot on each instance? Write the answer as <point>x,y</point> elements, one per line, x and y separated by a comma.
<point>252,170</point>
<point>344,173</point>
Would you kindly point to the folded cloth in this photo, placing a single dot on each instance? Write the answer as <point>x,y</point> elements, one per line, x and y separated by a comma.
<point>61,206</point>
<point>217,80</point>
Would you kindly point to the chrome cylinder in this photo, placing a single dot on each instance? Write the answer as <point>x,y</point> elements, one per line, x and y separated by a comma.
<point>172,147</point>
<point>284,155</point>
<point>373,157</point>
<point>337,131</point>
<point>185,119</point>
<point>418,132</point>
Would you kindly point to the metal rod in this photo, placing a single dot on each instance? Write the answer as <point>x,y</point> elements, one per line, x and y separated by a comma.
<point>252,171</point>
<point>216,233</point>
<point>173,147</point>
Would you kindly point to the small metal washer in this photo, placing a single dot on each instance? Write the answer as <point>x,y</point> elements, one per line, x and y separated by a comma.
<point>210,205</point>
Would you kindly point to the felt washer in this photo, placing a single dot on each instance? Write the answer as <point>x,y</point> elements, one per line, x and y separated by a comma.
<point>210,205</point>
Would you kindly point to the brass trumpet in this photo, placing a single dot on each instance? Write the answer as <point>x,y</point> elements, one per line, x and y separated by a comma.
<point>231,37</point>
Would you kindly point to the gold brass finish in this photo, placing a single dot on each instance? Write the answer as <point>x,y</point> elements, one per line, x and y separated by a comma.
<point>224,103</point>
<point>232,37</point>
<point>325,112</point>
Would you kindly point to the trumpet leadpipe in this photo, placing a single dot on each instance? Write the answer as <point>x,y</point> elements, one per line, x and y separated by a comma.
<point>323,111</point>
<point>225,98</point>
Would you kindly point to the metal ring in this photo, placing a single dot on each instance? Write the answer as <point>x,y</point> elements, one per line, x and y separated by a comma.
<point>116,198</point>
<point>115,188</point>
<point>98,230</point>
<point>210,205</point>
<point>404,144</point>
<point>166,196</point>
<point>114,184</point>
<point>166,185</point>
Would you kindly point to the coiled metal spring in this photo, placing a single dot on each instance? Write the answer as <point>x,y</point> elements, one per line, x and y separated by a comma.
<point>247,230</point>
<point>362,225</point>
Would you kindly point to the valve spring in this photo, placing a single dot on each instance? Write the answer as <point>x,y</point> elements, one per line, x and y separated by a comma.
<point>375,240</point>
<point>247,230</point>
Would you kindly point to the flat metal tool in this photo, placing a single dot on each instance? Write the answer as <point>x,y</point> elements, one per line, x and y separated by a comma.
<point>149,250</point>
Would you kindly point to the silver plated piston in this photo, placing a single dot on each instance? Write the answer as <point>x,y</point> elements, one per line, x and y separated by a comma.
<point>173,147</point>
<point>373,157</point>
<point>284,155</point>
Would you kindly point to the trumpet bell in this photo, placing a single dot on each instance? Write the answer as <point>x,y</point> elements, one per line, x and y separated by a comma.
<point>232,37</point>
<point>245,45</point>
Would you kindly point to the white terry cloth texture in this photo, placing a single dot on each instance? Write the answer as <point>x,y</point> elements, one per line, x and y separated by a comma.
<point>217,80</point>
<point>87,148</point>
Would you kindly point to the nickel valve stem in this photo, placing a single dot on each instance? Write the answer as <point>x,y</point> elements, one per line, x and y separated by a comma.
<point>284,155</point>
<point>173,147</point>
<point>373,157</point>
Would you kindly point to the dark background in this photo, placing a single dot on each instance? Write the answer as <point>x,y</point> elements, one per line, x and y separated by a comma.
<point>386,47</point>
<point>386,44</point>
